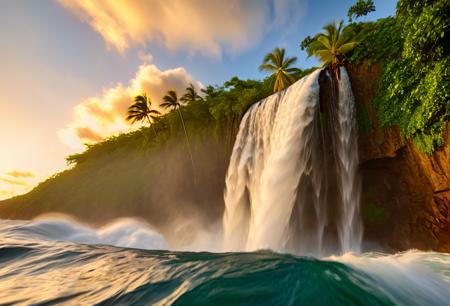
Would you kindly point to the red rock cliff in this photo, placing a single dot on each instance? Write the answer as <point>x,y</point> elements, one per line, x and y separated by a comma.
<point>406,193</point>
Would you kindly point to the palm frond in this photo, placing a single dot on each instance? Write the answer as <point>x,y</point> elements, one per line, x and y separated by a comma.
<point>279,65</point>
<point>325,41</point>
<point>345,48</point>
<point>154,112</point>
<point>288,62</point>
<point>332,44</point>
<point>267,67</point>
<point>166,105</point>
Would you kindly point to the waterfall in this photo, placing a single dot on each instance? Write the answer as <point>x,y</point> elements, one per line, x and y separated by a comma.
<point>279,187</point>
<point>350,227</point>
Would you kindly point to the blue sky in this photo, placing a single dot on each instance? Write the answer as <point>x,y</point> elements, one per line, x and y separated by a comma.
<point>61,68</point>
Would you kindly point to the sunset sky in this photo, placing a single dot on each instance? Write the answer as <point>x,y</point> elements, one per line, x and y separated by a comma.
<point>69,68</point>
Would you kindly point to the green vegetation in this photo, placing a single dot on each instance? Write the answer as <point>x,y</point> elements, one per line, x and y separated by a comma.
<point>171,101</point>
<point>378,41</point>
<point>215,116</point>
<point>332,45</point>
<point>141,109</point>
<point>360,8</point>
<point>283,74</point>
<point>414,91</point>
<point>190,95</point>
<point>414,50</point>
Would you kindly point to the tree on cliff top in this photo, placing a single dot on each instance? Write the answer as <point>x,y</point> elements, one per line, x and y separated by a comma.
<point>190,95</point>
<point>331,45</point>
<point>171,101</point>
<point>141,110</point>
<point>279,65</point>
<point>360,8</point>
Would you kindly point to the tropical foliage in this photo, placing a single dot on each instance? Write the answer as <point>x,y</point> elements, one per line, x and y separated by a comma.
<point>141,110</point>
<point>304,44</point>
<point>413,50</point>
<point>379,41</point>
<point>171,101</point>
<point>216,116</point>
<point>332,45</point>
<point>280,67</point>
<point>360,8</point>
<point>190,95</point>
<point>414,91</point>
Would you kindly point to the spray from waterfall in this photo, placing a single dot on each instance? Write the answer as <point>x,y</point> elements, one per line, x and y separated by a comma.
<point>280,191</point>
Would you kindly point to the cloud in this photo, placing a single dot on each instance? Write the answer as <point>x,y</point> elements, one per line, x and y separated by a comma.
<point>288,12</point>
<point>98,117</point>
<point>6,194</point>
<point>145,57</point>
<point>13,182</point>
<point>16,183</point>
<point>196,26</point>
<point>24,174</point>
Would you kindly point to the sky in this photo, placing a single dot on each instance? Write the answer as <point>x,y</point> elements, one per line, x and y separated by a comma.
<point>69,68</point>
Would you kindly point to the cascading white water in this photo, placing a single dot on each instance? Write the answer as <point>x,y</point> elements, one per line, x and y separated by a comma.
<point>271,153</point>
<point>277,180</point>
<point>349,227</point>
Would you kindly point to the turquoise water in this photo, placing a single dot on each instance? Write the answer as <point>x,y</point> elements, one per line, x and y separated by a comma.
<point>38,267</point>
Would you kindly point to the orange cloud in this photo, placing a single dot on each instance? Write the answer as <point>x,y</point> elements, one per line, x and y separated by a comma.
<point>98,117</point>
<point>4,194</point>
<point>203,26</point>
<point>87,134</point>
<point>13,182</point>
<point>24,174</point>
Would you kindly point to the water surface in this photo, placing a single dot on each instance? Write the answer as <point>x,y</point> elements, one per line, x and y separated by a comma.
<point>62,262</point>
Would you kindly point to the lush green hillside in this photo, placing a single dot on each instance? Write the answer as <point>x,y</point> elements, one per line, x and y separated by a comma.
<point>147,174</point>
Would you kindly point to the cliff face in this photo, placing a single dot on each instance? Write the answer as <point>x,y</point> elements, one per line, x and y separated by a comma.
<point>406,193</point>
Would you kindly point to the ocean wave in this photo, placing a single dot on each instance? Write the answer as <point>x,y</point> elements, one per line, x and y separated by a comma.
<point>61,262</point>
<point>126,232</point>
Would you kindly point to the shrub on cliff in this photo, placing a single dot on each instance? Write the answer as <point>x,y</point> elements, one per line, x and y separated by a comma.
<point>379,41</point>
<point>414,91</point>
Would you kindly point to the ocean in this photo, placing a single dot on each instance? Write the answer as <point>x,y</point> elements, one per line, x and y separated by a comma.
<point>62,262</point>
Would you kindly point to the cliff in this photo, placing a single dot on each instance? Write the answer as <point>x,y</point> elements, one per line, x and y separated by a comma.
<point>406,193</point>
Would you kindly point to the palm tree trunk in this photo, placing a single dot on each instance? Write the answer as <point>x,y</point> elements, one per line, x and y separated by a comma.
<point>188,145</point>
<point>151,124</point>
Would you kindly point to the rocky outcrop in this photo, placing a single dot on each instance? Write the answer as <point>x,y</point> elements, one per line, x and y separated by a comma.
<point>406,193</point>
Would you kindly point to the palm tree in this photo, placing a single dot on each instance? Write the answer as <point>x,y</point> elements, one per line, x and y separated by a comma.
<point>280,67</point>
<point>190,95</point>
<point>171,101</point>
<point>331,45</point>
<point>141,110</point>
